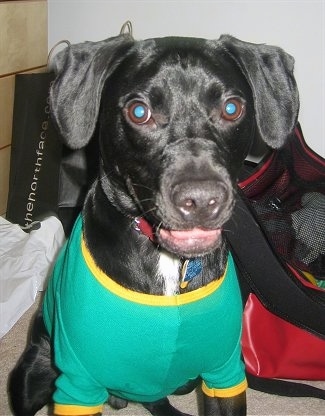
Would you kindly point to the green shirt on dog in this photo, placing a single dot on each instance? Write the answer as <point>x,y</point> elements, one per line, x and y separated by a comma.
<point>111,340</point>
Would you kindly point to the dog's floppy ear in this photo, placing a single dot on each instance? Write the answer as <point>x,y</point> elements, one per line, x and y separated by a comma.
<point>269,72</point>
<point>82,70</point>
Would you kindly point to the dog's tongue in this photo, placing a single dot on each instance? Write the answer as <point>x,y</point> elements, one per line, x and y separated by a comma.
<point>193,234</point>
<point>194,241</point>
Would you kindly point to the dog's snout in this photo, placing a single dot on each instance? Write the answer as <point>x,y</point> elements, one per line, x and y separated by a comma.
<point>201,199</point>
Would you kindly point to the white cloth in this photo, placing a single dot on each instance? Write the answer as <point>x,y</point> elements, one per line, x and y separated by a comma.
<point>26,260</point>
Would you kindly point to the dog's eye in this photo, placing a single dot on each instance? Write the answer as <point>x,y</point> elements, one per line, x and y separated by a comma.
<point>138,112</point>
<point>232,109</point>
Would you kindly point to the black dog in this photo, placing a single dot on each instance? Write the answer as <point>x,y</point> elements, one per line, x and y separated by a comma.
<point>175,119</point>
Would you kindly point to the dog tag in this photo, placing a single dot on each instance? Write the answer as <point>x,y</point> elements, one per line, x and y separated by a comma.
<point>191,268</point>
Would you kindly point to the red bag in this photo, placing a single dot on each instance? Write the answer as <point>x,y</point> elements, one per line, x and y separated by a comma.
<point>275,348</point>
<point>277,237</point>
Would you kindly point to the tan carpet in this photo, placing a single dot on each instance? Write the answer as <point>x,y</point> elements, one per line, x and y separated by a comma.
<point>259,404</point>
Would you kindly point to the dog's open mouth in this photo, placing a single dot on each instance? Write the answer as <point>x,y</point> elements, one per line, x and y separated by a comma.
<point>197,241</point>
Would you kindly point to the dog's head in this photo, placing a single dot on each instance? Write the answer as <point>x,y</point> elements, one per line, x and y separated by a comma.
<point>175,119</point>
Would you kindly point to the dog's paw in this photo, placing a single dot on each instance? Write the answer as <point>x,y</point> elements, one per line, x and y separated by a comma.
<point>163,408</point>
<point>117,403</point>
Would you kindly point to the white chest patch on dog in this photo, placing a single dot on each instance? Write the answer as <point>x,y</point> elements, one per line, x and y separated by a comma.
<point>168,271</point>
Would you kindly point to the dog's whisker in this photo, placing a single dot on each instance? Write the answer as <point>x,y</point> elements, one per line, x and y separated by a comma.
<point>159,225</point>
<point>140,185</point>
<point>146,200</point>
<point>148,211</point>
<point>225,230</point>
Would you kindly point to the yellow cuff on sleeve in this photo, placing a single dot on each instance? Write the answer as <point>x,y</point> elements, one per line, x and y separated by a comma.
<point>71,410</point>
<point>227,392</point>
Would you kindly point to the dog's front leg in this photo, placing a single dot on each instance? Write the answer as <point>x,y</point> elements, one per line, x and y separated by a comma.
<point>163,408</point>
<point>232,406</point>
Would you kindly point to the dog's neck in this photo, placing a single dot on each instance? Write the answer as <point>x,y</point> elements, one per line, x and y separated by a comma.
<point>176,272</point>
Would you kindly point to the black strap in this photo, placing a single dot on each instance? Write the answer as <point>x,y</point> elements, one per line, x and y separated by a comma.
<point>278,290</point>
<point>281,293</point>
<point>284,388</point>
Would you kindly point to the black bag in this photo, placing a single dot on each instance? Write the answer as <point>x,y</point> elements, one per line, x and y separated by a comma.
<point>46,178</point>
<point>277,236</point>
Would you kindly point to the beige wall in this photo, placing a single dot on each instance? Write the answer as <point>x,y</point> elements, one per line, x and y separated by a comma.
<point>23,47</point>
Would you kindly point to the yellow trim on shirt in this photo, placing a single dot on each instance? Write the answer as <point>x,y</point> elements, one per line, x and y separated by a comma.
<point>226,392</point>
<point>76,410</point>
<point>143,298</point>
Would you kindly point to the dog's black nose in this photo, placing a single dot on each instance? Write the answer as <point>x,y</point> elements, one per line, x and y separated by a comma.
<point>199,199</point>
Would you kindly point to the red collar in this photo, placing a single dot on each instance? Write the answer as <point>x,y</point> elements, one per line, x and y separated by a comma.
<point>142,226</point>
